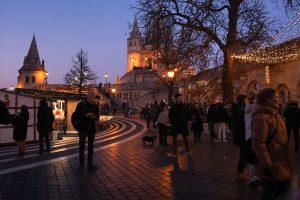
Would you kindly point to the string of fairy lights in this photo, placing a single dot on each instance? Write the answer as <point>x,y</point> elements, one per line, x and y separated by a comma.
<point>280,52</point>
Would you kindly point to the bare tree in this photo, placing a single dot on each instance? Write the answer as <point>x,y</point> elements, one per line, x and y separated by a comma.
<point>173,48</point>
<point>80,74</point>
<point>232,26</point>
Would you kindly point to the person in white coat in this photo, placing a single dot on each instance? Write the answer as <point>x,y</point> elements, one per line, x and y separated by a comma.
<point>254,180</point>
<point>163,123</point>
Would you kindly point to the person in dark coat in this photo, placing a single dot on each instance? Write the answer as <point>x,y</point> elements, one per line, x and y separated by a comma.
<point>292,120</point>
<point>147,113</point>
<point>240,134</point>
<point>44,124</point>
<point>20,124</point>
<point>212,120</point>
<point>87,113</point>
<point>154,113</point>
<point>222,119</point>
<point>197,122</point>
<point>5,117</point>
<point>178,117</point>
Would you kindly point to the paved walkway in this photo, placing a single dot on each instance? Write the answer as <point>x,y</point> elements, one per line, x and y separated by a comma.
<point>127,170</point>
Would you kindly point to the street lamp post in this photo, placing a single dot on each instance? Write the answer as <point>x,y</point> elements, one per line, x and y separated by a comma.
<point>113,90</point>
<point>106,76</point>
<point>171,75</point>
<point>47,77</point>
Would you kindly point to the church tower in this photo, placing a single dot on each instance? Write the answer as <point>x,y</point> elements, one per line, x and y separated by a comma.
<point>134,48</point>
<point>33,71</point>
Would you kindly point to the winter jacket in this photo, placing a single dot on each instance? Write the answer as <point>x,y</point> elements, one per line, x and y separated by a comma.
<point>273,157</point>
<point>248,120</point>
<point>5,117</point>
<point>163,118</point>
<point>45,119</point>
<point>154,111</point>
<point>212,113</point>
<point>179,119</point>
<point>87,124</point>
<point>292,114</point>
<point>239,125</point>
<point>20,124</point>
<point>197,123</point>
<point>221,114</point>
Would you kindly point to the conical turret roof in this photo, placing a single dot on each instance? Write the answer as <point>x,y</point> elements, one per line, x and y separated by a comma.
<point>32,60</point>
<point>135,29</point>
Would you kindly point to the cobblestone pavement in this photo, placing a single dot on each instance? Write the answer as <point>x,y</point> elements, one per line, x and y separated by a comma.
<point>126,170</point>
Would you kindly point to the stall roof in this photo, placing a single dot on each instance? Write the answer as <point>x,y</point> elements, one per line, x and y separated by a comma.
<point>49,94</point>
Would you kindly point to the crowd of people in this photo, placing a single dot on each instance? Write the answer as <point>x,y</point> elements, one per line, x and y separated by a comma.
<point>258,124</point>
<point>83,119</point>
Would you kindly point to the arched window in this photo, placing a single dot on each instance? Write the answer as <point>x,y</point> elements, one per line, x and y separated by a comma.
<point>33,79</point>
<point>27,79</point>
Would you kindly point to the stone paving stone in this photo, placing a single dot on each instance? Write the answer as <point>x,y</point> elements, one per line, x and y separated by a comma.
<point>133,171</point>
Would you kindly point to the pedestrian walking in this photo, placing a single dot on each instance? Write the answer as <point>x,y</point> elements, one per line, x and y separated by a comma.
<point>197,122</point>
<point>179,121</point>
<point>154,113</point>
<point>20,124</point>
<point>292,120</point>
<point>240,135</point>
<point>163,123</point>
<point>87,114</point>
<point>212,120</point>
<point>44,125</point>
<point>222,119</point>
<point>270,144</point>
<point>126,109</point>
<point>147,114</point>
<point>5,117</point>
<point>254,182</point>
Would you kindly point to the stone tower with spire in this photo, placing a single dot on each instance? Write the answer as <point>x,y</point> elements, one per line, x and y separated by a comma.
<point>33,71</point>
<point>134,48</point>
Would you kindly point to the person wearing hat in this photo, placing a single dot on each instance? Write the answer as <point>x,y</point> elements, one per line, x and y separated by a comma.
<point>44,124</point>
<point>179,122</point>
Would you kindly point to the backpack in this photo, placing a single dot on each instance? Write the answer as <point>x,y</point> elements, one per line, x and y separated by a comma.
<point>248,152</point>
<point>75,121</point>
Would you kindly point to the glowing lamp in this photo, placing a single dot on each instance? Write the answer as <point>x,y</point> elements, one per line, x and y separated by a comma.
<point>171,74</point>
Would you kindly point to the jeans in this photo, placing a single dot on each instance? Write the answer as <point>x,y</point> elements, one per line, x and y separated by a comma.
<point>175,143</point>
<point>273,189</point>
<point>82,140</point>
<point>162,129</point>
<point>44,136</point>
<point>221,131</point>
<point>295,129</point>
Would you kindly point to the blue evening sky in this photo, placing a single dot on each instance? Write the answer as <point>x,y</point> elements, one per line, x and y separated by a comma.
<point>62,27</point>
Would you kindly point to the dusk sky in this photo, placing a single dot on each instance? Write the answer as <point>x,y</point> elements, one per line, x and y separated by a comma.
<point>62,27</point>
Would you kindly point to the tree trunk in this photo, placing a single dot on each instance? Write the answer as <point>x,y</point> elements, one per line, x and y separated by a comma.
<point>227,78</point>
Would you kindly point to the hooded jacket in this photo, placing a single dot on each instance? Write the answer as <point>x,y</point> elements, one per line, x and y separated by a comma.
<point>274,156</point>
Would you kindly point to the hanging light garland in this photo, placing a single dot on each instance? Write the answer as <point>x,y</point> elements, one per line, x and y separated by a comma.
<point>278,53</point>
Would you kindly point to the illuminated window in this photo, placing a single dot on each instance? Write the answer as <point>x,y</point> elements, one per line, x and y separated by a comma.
<point>33,79</point>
